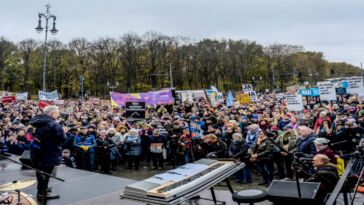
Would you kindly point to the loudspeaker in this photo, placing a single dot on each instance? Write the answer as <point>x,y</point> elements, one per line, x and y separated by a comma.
<point>285,192</point>
<point>25,158</point>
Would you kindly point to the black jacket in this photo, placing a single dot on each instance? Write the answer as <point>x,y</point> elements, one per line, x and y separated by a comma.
<point>49,136</point>
<point>264,150</point>
<point>328,177</point>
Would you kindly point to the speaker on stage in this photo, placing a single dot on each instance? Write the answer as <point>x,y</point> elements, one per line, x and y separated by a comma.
<point>25,158</point>
<point>285,192</point>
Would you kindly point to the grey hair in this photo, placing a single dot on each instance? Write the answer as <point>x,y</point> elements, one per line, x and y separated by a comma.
<point>237,135</point>
<point>254,126</point>
<point>112,129</point>
<point>50,109</point>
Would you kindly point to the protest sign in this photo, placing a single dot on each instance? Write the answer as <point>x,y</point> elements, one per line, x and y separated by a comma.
<point>280,96</point>
<point>22,96</point>
<point>327,91</point>
<point>158,97</point>
<point>355,85</point>
<point>253,96</point>
<point>187,96</point>
<point>212,95</point>
<point>243,98</point>
<point>220,97</point>
<point>341,91</point>
<point>294,102</point>
<point>247,88</point>
<point>8,99</point>
<point>44,104</point>
<point>48,96</point>
<point>313,92</point>
<point>95,100</point>
<point>135,111</point>
<point>58,102</point>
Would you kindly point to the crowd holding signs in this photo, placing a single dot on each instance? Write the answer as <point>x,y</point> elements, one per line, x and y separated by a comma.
<point>325,91</point>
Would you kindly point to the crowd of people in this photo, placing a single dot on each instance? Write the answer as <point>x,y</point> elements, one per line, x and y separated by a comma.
<point>265,135</point>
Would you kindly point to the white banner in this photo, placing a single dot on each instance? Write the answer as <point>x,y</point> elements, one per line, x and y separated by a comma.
<point>327,91</point>
<point>355,85</point>
<point>294,102</point>
<point>58,102</point>
<point>253,96</point>
<point>187,96</point>
<point>48,96</point>
<point>22,96</point>
<point>220,97</point>
<point>247,88</point>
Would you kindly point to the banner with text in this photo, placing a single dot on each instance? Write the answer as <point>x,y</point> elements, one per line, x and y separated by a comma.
<point>327,91</point>
<point>158,97</point>
<point>212,96</point>
<point>22,96</point>
<point>247,88</point>
<point>294,102</point>
<point>48,96</point>
<point>243,98</point>
<point>253,96</point>
<point>355,86</point>
<point>313,92</point>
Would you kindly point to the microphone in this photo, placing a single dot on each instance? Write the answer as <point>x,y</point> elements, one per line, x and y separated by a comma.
<point>338,143</point>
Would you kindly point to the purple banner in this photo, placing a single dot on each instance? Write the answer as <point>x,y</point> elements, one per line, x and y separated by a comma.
<point>158,97</point>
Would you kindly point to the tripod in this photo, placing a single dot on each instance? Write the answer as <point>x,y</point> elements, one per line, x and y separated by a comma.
<point>44,174</point>
<point>296,163</point>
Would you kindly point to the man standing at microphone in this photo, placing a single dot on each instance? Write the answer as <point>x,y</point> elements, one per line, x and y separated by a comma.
<point>49,137</point>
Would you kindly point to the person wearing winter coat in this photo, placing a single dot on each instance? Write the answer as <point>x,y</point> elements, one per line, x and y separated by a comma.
<point>157,143</point>
<point>305,142</point>
<point>104,144</point>
<point>252,134</point>
<point>322,147</point>
<point>285,121</point>
<point>262,150</point>
<point>187,146</point>
<point>132,148</point>
<point>322,117</point>
<point>173,138</point>
<point>326,174</point>
<point>212,147</point>
<point>85,144</point>
<point>288,141</point>
<point>49,137</point>
<point>238,150</point>
<point>115,155</point>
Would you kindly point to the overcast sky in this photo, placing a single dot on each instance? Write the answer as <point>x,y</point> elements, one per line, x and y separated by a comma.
<point>334,27</point>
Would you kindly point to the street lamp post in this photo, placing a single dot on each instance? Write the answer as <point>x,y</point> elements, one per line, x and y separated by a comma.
<point>112,87</point>
<point>47,15</point>
<point>81,81</point>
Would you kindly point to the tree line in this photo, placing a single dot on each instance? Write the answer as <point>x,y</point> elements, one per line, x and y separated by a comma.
<point>140,63</point>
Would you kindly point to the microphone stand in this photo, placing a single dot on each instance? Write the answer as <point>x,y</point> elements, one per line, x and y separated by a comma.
<point>44,174</point>
<point>295,163</point>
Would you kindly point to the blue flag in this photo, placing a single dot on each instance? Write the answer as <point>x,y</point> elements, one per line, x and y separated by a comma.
<point>230,98</point>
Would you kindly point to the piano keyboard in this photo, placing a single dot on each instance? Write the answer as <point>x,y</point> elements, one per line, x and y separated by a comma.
<point>176,185</point>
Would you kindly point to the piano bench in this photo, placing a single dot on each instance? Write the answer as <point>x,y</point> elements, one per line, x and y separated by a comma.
<point>249,196</point>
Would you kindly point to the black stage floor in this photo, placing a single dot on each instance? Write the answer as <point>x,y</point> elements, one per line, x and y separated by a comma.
<point>88,188</point>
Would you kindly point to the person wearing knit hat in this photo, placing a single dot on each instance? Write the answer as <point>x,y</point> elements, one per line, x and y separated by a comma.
<point>322,147</point>
<point>255,119</point>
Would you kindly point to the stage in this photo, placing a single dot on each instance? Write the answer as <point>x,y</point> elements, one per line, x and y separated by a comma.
<point>89,188</point>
